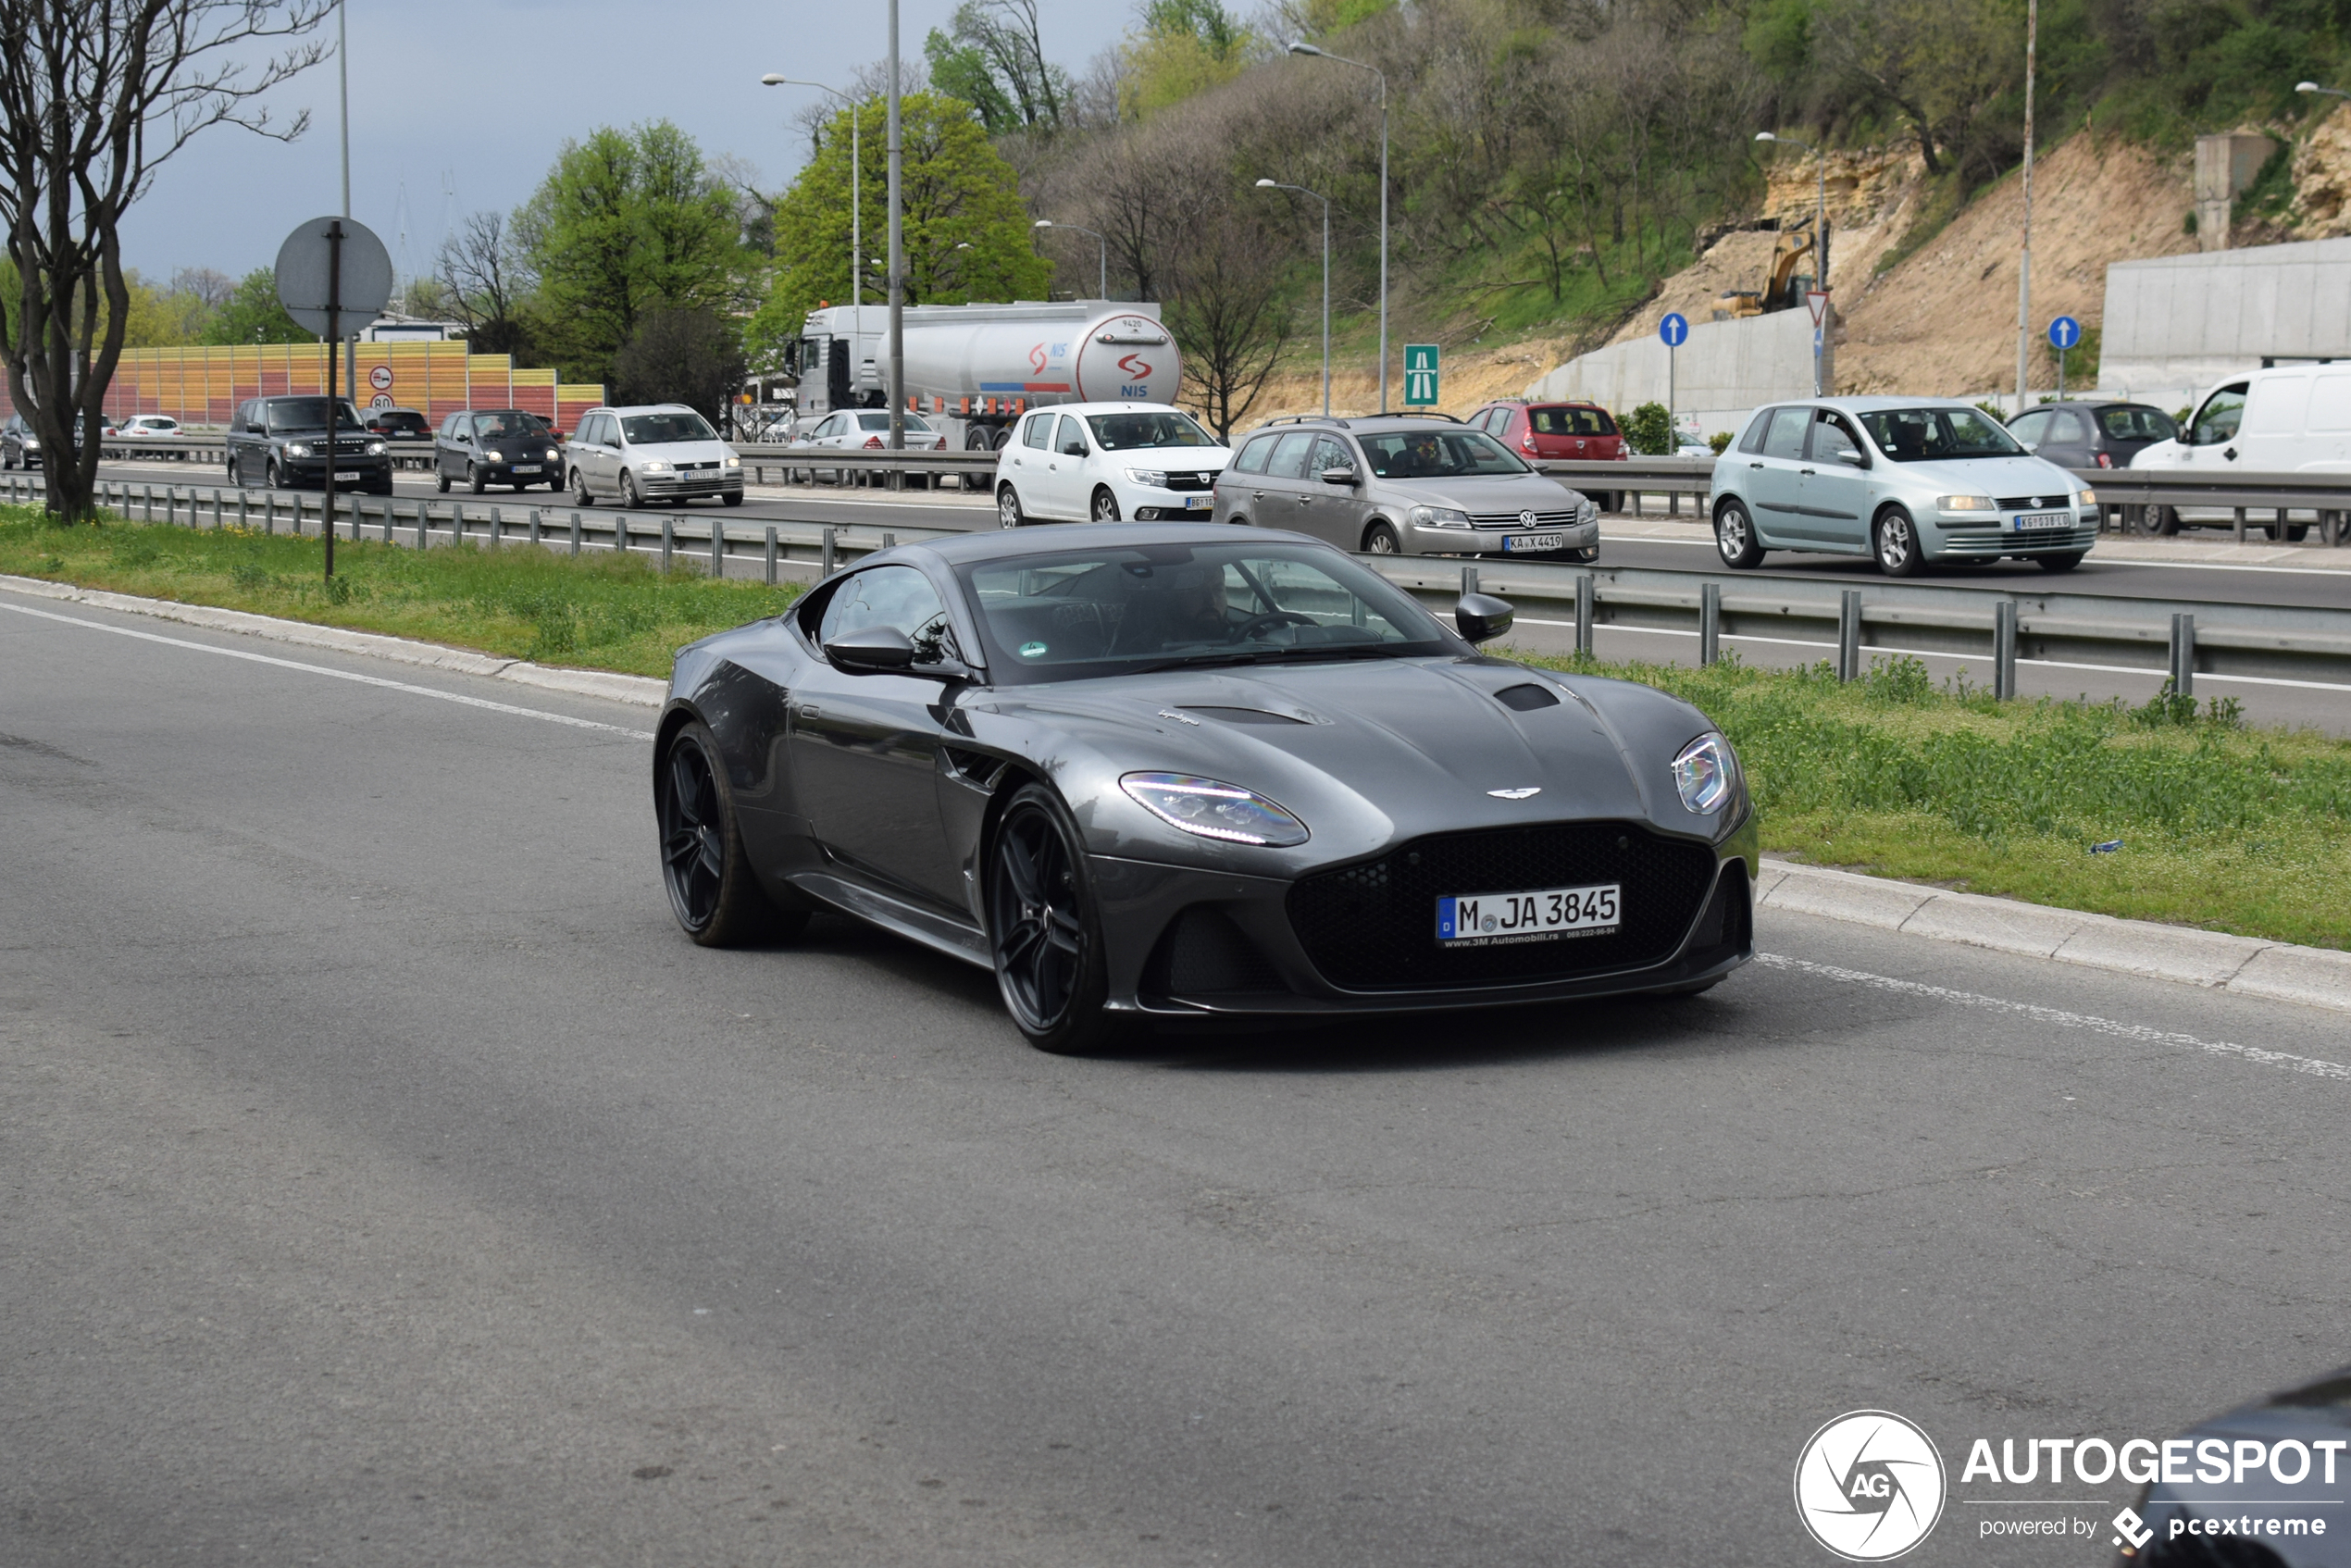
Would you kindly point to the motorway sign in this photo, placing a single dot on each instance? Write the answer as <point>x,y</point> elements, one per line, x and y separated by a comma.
<point>1674,329</point>
<point>2064,332</point>
<point>1420,375</point>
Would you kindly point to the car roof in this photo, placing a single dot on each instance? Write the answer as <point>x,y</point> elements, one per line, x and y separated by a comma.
<point>1376,424</point>
<point>1007,544</point>
<point>1109,408</point>
<point>625,408</point>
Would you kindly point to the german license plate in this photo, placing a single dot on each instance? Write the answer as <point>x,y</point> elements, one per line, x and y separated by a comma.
<point>2025,522</point>
<point>1529,544</point>
<point>526,467</point>
<point>1200,503</point>
<point>341,476</point>
<point>1489,919</point>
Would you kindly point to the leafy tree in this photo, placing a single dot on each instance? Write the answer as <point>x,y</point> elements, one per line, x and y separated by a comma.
<point>967,234</point>
<point>628,222</point>
<point>1649,430</point>
<point>251,315</point>
<point>688,356</point>
<point>992,58</point>
<point>1184,48</point>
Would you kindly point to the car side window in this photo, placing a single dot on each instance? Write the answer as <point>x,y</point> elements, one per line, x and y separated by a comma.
<point>899,597</point>
<point>2069,428</point>
<point>1072,442</point>
<point>1757,428</point>
<point>2031,427</point>
<point>1288,461</point>
<point>1328,453</point>
<point>1834,442</point>
<point>1786,436</point>
<point>1253,455</point>
<point>1038,432</point>
<point>2218,420</point>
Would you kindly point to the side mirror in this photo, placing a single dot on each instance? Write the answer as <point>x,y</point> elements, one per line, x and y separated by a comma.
<point>1850,457</point>
<point>1481,618</point>
<point>1338,476</point>
<point>871,648</point>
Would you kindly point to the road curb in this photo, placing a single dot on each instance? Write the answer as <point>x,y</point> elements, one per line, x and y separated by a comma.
<point>636,690</point>
<point>2241,965</point>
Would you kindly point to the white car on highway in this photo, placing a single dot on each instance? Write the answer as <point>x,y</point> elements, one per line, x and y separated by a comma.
<point>1107,462</point>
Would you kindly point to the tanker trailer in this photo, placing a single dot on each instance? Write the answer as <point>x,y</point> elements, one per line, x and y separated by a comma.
<point>978,368</point>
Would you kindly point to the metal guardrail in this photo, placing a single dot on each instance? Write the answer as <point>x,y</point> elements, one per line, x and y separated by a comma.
<point>2183,638</point>
<point>214,450</point>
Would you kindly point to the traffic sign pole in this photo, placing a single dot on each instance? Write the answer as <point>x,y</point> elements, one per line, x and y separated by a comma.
<point>2064,332</point>
<point>1674,328</point>
<point>334,342</point>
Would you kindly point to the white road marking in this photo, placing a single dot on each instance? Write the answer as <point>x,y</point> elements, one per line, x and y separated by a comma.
<point>336,673</point>
<point>2315,1066</point>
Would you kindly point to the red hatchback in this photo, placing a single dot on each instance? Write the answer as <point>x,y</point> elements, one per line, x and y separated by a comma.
<point>1556,432</point>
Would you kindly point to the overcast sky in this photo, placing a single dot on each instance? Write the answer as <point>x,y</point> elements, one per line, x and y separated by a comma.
<point>461,104</point>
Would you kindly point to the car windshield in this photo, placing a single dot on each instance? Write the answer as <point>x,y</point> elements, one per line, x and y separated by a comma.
<point>1066,616</point>
<point>1937,435</point>
<point>655,430</point>
<point>914,423</point>
<point>2137,424</point>
<point>1439,455</point>
<point>513,422</point>
<point>309,414</point>
<point>1123,432</point>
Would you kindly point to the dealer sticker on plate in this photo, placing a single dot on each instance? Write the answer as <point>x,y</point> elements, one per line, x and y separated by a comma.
<point>1486,919</point>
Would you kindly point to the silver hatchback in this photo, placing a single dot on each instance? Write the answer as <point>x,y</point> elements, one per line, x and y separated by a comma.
<point>1905,480</point>
<point>1405,485</point>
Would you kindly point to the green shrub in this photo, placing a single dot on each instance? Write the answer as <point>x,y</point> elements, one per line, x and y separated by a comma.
<point>1720,440</point>
<point>1651,430</point>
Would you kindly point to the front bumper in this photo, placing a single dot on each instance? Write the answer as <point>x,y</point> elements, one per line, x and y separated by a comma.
<point>1965,543</point>
<point>699,481</point>
<point>1142,902</point>
<point>311,472</point>
<point>1577,539</point>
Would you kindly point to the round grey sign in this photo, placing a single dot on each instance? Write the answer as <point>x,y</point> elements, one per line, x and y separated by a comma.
<point>303,281</point>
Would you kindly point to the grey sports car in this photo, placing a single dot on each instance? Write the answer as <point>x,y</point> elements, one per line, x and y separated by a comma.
<point>1176,771</point>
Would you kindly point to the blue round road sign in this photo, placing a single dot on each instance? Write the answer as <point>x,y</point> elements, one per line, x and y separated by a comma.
<point>2064,332</point>
<point>1674,328</point>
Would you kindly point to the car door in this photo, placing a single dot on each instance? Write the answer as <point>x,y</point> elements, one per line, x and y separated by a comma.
<point>2032,427</point>
<point>1065,487</point>
<point>1331,513</point>
<point>2212,435</point>
<point>864,747</point>
<point>2069,441</point>
<point>1024,458</point>
<point>603,453</point>
<point>1834,496</point>
<point>1280,493</point>
<point>1773,480</point>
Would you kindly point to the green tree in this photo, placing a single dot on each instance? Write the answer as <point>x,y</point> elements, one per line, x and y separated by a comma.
<point>251,315</point>
<point>1183,48</point>
<point>992,58</point>
<point>627,222</point>
<point>967,234</point>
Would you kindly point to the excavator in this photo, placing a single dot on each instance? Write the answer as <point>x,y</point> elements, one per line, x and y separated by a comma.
<point>1783,287</point>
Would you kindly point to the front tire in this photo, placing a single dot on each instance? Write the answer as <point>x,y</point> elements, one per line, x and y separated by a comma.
<point>1896,545</point>
<point>1044,932</point>
<point>2064,562</point>
<point>474,481</point>
<point>441,480</point>
<point>732,498</point>
<point>1380,540</point>
<point>581,494</point>
<point>1008,512</point>
<point>628,494</point>
<point>712,891</point>
<point>1105,508</point>
<point>1734,538</point>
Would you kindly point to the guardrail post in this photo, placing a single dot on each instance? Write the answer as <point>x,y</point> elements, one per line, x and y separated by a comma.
<point>215,511</point>
<point>534,525</point>
<point>890,541</point>
<point>824,569</point>
<point>1585,601</point>
<point>575,533</point>
<point>147,501</point>
<point>1469,581</point>
<point>771,555</point>
<point>718,548</point>
<point>1848,634</point>
<point>1634,497</point>
<point>270,512</point>
<point>2240,524</point>
<point>2183,654</point>
<point>424,510</point>
<point>1710,623</point>
<point>497,527</point>
<point>1672,503</point>
<point>2004,650</point>
<point>668,542</point>
<point>620,532</point>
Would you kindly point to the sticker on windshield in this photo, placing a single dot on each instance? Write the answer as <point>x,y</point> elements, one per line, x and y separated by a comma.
<point>1032,650</point>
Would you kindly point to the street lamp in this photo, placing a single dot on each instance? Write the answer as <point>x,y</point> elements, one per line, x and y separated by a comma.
<point>857,207</point>
<point>1302,47</point>
<point>1819,247</point>
<point>1104,284</point>
<point>2314,87</point>
<point>1277,185</point>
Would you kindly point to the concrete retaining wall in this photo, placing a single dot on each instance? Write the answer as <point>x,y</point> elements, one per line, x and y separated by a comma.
<point>2190,320</point>
<point>1725,369</point>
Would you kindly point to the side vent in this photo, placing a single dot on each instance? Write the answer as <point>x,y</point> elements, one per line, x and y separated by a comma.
<point>979,770</point>
<point>1204,953</point>
<point>1527,697</point>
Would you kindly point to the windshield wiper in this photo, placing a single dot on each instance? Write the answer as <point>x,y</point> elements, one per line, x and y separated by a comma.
<point>1200,660</point>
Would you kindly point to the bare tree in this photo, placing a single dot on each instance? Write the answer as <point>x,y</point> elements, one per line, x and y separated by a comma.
<point>96,96</point>
<point>207,288</point>
<point>1231,315</point>
<point>483,280</point>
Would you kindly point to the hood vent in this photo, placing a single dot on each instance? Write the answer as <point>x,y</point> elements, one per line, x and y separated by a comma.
<point>1246,716</point>
<point>1527,697</point>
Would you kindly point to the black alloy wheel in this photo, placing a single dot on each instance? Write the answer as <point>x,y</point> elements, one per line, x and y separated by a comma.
<point>1735,537</point>
<point>711,888</point>
<point>1046,943</point>
<point>1105,506</point>
<point>1897,545</point>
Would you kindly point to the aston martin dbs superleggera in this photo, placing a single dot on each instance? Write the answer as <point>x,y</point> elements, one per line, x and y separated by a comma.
<point>1146,771</point>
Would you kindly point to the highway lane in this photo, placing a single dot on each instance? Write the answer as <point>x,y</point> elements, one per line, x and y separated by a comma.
<point>389,1182</point>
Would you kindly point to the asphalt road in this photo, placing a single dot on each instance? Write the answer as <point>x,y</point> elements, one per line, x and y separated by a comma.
<point>388,1182</point>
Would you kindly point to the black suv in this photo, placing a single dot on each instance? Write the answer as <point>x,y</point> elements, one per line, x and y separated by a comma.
<point>399,424</point>
<point>280,441</point>
<point>480,447</point>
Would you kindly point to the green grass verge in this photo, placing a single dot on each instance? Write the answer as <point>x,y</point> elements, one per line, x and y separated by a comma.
<point>600,611</point>
<point>2221,827</point>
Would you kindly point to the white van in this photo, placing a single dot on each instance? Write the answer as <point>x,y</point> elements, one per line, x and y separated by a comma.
<point>2296,418</point>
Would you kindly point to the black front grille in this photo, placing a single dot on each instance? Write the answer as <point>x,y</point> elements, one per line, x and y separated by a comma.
<point>2061,501</point>
<point>1372,925</point>
<point>1191,482</point>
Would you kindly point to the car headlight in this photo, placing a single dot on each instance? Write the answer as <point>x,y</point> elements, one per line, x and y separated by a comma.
<point>1965,504</point>
<point>732,462</point>
<point>1707,773</point>
<point>1154,478</point>
<point>1214,809</point>
<point>553,456</point>
<point>374,449</point>
<point>2087,498</point>
<point>491,455</point>
<point>297,449</point>
<point>655,467</point>
<point>1440,517</point>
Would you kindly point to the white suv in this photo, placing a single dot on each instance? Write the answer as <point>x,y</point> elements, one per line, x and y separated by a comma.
<point>1105,462</point>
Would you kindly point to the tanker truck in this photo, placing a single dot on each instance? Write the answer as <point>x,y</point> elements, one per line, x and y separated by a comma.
<point>974,370</point>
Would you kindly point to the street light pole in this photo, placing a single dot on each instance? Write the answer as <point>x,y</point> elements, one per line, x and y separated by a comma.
<point>1277,185</point>
<point>857,208</point>
<point>897,257</point>
<point>1302,47</point>
<point>1104,282</point>
<point>2025,257</point>
<point>1820,249</point>
<point>343,71</point>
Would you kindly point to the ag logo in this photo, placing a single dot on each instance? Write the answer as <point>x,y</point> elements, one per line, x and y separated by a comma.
<point>1869,1486</point>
